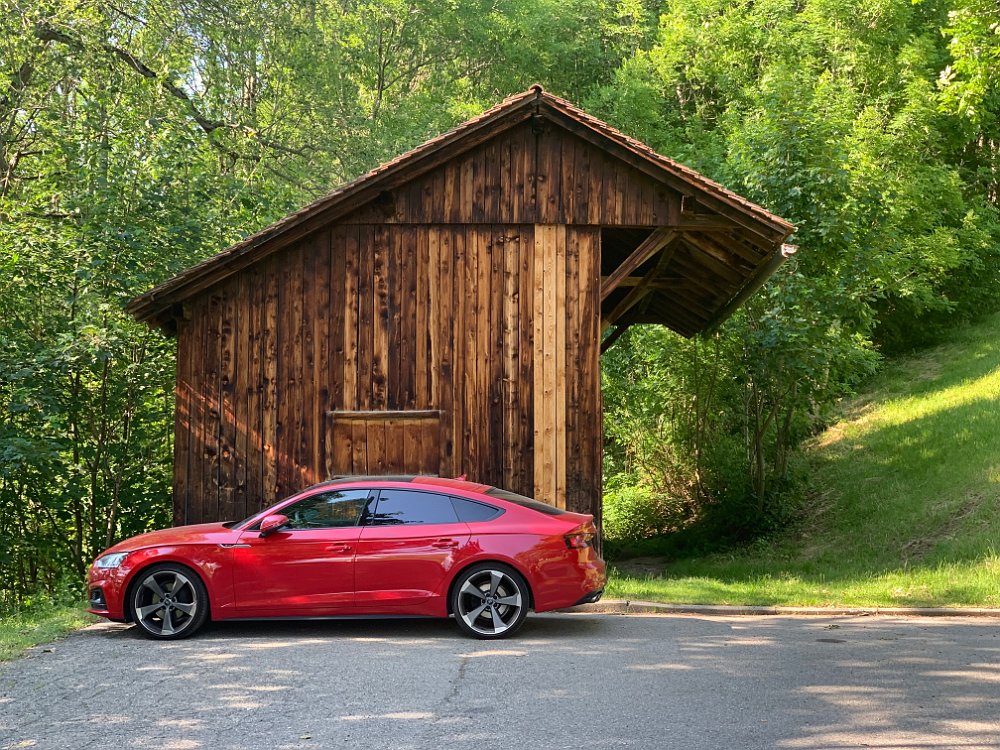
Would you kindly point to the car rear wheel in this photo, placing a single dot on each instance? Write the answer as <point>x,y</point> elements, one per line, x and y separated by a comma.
<point>490,600</point>
<point>169,601</point>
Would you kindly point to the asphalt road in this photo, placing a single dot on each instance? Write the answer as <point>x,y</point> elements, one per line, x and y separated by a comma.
<point>566,681</point>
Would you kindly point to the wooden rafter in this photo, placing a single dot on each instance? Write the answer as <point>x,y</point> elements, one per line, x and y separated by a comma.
<point>646,250</point>
<point>640,290</point>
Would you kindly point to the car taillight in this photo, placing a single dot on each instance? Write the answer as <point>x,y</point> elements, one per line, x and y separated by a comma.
<point>580,537</point>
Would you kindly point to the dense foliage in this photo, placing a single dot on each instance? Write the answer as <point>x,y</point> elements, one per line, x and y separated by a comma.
<point>140,136</point>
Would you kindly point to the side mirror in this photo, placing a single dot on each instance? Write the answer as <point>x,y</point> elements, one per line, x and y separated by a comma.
<point>270,524</point>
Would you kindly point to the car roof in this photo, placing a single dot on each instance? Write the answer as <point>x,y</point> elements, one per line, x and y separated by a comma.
<point>427,479</point>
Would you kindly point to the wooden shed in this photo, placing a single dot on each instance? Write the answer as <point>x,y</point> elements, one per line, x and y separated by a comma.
<point>444,313</point>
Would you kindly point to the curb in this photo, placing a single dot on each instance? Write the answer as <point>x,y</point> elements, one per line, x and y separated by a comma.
<point>626,607</point>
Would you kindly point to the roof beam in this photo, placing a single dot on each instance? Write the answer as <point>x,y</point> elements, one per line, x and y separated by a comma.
<point>649,247</point>
<point>640,290</point>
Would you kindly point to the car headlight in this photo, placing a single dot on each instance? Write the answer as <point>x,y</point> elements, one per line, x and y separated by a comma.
<point>112,560</point>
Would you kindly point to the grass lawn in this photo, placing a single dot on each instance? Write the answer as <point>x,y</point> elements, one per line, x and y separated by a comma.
<point>905,508</point>
<point>40,625</point>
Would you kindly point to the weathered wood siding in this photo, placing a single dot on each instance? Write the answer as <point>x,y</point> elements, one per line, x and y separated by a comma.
<point>463,309</point>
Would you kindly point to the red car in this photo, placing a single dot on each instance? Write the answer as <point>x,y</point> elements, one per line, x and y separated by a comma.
<point>368,546</point>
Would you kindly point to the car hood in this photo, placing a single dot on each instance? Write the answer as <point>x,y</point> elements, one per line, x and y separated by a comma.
<point>203,533</point>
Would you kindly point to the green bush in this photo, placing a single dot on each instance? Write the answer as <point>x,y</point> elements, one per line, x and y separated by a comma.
<point>637,512</point>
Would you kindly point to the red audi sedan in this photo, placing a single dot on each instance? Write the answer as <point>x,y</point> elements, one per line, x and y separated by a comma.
<point>362,546</point>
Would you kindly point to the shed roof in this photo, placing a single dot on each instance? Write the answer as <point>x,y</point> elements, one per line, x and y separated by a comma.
<point>748,224</point>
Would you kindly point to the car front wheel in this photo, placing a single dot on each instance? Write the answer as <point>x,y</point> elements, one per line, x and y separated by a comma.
<point>490,600</point>
<point>169,601</point>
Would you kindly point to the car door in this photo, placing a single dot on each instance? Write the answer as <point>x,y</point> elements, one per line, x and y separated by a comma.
<point>407,548</point>
<point>308,564</point>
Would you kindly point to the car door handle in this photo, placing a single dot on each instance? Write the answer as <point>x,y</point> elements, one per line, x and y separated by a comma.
<point>339,548</point>
<point>444,544</point>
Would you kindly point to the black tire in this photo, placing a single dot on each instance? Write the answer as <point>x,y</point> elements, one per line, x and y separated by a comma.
<point>490,600</point>
<point>168,601</point>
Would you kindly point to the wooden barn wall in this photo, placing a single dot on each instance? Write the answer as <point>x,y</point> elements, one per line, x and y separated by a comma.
<point>493,327</point>
<point>468,297</point>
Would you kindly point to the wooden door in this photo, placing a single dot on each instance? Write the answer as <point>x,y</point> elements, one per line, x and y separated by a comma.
<point>381,443</point>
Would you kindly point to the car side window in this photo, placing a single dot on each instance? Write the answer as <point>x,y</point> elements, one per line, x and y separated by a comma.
<point>405,507</point>
<point>327,510</point>
<point>471,511</point>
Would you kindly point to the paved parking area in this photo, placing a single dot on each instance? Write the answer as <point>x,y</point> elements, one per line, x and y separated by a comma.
<point>567,681</point>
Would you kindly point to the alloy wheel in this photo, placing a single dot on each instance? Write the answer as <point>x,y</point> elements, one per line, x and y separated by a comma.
<point>490,602</point>
<point>166,603</point>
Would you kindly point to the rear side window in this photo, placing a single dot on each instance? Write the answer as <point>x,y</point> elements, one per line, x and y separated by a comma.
<point>470,511</point>
<point>401,507</point>
<point>525,502</point>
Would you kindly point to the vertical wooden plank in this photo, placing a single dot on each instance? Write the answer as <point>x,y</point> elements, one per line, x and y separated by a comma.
<point>468,194</point>
<point>380,316</point>
<point>590,415</point>
<point>395,459</point>
<point>477,207</point>
<point>526,362</point>
<point>487,346</point>
<point>445,356</point>
<point>510,303</point>
<point>581,181</point>
<point>367,301</point>
<point>375,430</point>
<point>298,385</point>
<point>422,354</point>
<point>212,393</point>
<point>227,400</point>
<point>452,191</point>
<point>550,178</point>
<point>195,330</point>
<point>184,399</point>
<point>531,158</point>
<point>459,324</point>
<point>491,180</point>
<point>505,198</point>
<point>516,186</point>
<point>538,344</point>
<point>241,386</point>
<point>359,448</point>
<point>352,258</point>
<point>559,322</point>
<point>473,402</point>
<point>567,161</point>
<point>549,464</point>
<point>495,345</point>
<point>574,325</point>
<point>610,210</point>
<point>338,307</point>
<point>394,276</point>
<point>289,402</point>
<point>307,472</point>
<point>270,352</point>
<point>321,315</point>
<point>434,314</point>
<point>255,390</point>
<point>338,446</point>
<point>437,210</point>
<point>408,320</point>
<point>429,431</point>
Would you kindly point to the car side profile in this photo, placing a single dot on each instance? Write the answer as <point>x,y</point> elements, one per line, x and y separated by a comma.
<point>362,546</point>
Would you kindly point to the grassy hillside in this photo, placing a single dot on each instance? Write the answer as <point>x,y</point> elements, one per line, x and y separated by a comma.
<point>906,499</point>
